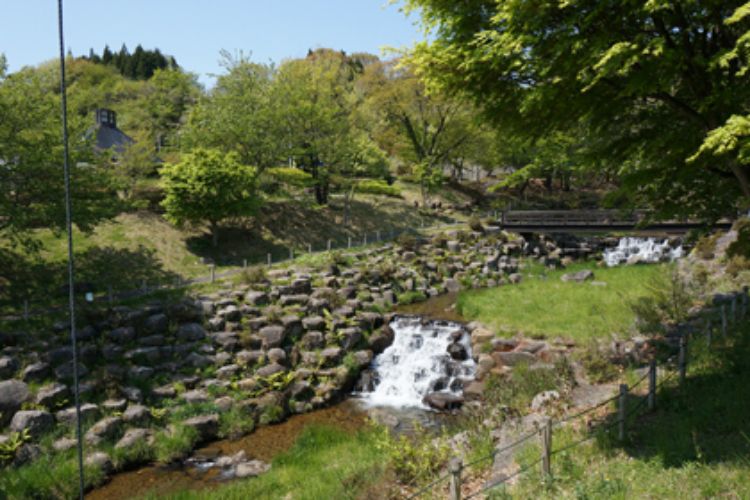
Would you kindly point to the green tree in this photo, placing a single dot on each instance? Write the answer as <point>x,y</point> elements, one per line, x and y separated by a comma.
<point>209,186</point>
<point>31,154</point>
<point>237,115</point>
<point>650,81</point>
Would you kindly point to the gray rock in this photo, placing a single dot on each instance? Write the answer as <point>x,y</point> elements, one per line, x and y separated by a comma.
<point>452,285</point>
<point>249,358</point>
<point>313,323</point>
<point>331,355</point>
<point>52,395</point>
<point>133,394</point>
<point>578,277</point>
<point>269,370</point>
<point>8,367</point>
<point>148,355</point>
<point>133,437</point>
<point>153,340</point>
<point>544,399</point>
<point>256,298</point>
<point>190,332</point>
<point>136,414</point>
<point>292,326</point>
<point>116,405</point>
<point>140,372</point>
<point>276,355</point>
<point>198,360</point>
<point>64,372</point>
<point>100,460</point>
<point>251,468</point>
<point>363,358</point>
<point>163,392</point>
<point>36,372</point>
<point>13,393</point>
<point>231,313</point>
<point>381,339</point>
<point>156,324</point>
<point>27,453</point>
<point>206,425</point>
<point>227,372</point>
<point>273,336</point>
<point>294,300</point>
<point>104,429</point>
<point>313,340</point>
<point>36,422</point>
<point>64,444</point>
<point>60,355</point>
<point>216,324</point>
<point>443,400</point>
<point>515,278</point>
<point>515,357</point>
<point>122,335</point>
<point>68,415</point>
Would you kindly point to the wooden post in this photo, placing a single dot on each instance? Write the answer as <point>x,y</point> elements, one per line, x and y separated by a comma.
<point>309,248</point>
<point>377,235</point>
<point>682,359</point>
<point>454,467</point>
<point>244,263</point>
<point>328,245</point>
<point>652,385</point>
<point>213,273</point>
<point>723,319</point>
<point>364,239</point>
<point>621,412</point>
<point>268,258</point>
<point>291,253</point>
<point>349,242</point>
<point>545,437</point>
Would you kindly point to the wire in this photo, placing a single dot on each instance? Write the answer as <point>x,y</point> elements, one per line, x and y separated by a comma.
<point>501,450</point>
<point>587,410</point>
<point>69,228</point>
<point>506,479</point>
<point>429,486</point>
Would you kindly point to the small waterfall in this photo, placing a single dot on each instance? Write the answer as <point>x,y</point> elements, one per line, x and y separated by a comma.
<point>419,362</point>
<point>641,250</point>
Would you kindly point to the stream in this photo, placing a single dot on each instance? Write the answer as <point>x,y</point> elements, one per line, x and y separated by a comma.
<point>417,363</point>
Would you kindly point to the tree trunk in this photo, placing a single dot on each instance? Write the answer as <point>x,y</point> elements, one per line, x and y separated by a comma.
<point>214,234</point>
<point>742,178</point>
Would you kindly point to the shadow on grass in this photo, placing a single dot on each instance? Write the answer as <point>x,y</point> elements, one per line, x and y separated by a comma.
<point>704,421</point>
<point>26,276</point>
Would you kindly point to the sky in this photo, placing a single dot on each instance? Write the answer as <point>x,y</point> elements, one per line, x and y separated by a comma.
<point>194,31</point>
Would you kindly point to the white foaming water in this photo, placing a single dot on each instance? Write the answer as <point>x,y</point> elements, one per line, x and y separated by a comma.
<point>634,250</point>
<point>417,363</point>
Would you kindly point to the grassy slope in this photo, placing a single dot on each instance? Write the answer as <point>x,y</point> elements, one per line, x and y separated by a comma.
<point>696,445</point>
<point>544,305</point>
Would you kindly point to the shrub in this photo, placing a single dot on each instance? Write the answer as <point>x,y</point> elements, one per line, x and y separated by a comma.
<point>235,424</point>
<point>408,241</point>
<point>476,224</point>
<point>374,186</point>
<point>414,459</point>
<point>705,246</point>
<point>271,414</point>
<point>595,361</point>
<point>410,297</point>
<point>741,246</point>
<point>667,303</point>
<point>253,275</point>
<point>174,443</point>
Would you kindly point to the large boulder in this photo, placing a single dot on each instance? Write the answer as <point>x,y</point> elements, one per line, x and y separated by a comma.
<point>13,393</point>
<point>190,332</point>
<point>36,372</point>
<point>52,395</point>
<point>136,414</point>
<point>272,335</point>
<point>104,429</point>
<point>381,339</point>
<point>35,422</point>
<point>443,400</point>
<point>251,468</point>
<point>68,415</point>
<point>156,324</point>
<point>8,366</point>
<point>134,437</point>
<point>207,426</point>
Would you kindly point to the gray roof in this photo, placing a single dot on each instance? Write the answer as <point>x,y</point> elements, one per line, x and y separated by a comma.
<point>111,137</point>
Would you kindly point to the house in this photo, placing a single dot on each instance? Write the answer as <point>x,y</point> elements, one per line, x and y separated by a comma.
<point>108,136</point>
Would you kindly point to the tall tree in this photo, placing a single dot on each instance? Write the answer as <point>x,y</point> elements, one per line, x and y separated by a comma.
<point>651,80</point>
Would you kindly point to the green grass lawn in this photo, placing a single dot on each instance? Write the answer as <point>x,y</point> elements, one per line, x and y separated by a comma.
<point>696,444</point>
<point>543,305</point>
<point>324,463</point>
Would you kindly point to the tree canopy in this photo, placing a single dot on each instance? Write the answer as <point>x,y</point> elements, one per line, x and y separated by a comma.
<point>649,82</point>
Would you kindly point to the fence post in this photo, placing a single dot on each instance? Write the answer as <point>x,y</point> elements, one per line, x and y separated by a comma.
<point>349,242</point>
<point>328,247</point>
<point>291,253</point>
<point>622,412</point>
<point>268,259</point>
<point>213,272</point>
<point>709,332</point>
<point>682,360</point>
<point>723,319</point>
<point>244,263</point>
<point>545,436</point>
<point>652,385</point>
<point>455,467</point>
<point>377,235</point>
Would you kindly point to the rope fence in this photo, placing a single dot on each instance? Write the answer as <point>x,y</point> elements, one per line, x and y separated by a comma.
<point>731,310</point>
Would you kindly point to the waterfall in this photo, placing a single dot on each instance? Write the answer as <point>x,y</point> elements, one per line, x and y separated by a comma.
<point>419,362</point>
<point>641,250</point>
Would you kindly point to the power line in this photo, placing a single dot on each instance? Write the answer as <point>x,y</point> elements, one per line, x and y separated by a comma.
<point>69,229</point>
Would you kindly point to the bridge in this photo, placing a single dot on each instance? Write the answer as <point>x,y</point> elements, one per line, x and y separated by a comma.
<point>596,221</point>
